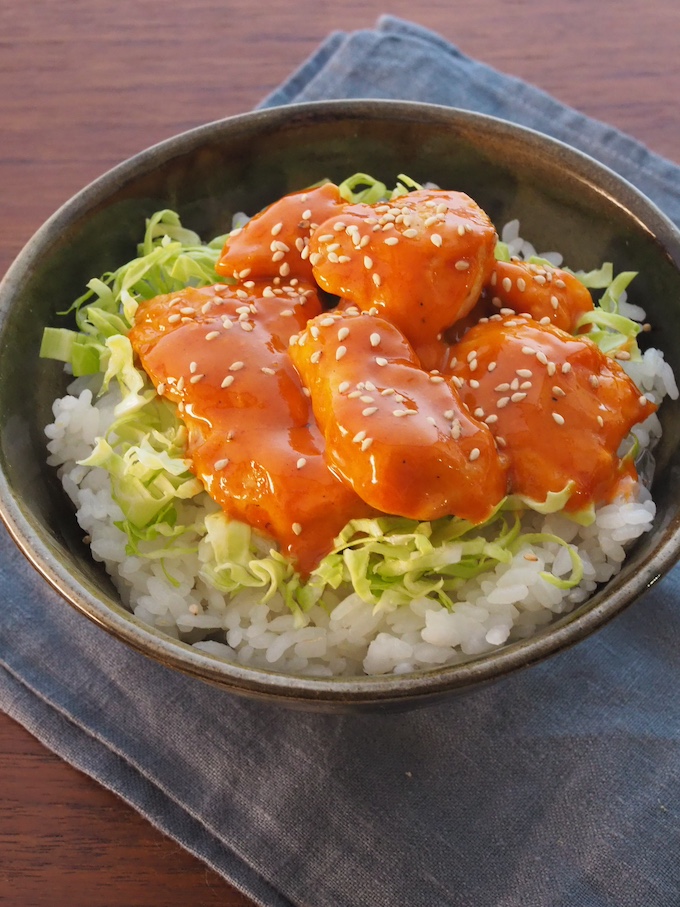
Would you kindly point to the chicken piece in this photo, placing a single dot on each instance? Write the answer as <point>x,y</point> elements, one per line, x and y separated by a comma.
<point>398,435</point>
<point>275,243</point>
<point>421,260</point>
<point>557,405</point>
<point>221,356</point>
<point>540,291</point>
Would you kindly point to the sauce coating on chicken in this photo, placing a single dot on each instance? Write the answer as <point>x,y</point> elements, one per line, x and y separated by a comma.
<point>275,243</point>
<point>421,260</point>
<point>220,354</point>
<point>541,291</point>
<point>557,405</point>
<point>398,435</point>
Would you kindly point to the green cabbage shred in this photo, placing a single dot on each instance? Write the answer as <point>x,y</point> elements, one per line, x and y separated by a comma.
<point>388,560</point>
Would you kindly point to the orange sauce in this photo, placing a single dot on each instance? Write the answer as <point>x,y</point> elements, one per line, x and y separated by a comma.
<point>558,407</point>
<point>399,436</point>
<point>252,439</point>
<point>541,291</point>
<point>300,420</point>
<point>420,260</point>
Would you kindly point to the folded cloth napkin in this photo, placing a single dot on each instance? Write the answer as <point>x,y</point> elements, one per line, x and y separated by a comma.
<point>559,786</point>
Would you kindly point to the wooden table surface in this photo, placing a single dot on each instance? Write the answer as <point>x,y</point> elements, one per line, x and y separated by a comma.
<point>86,83</point>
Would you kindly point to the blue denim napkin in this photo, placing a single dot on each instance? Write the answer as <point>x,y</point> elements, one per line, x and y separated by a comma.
<point>559,787</point>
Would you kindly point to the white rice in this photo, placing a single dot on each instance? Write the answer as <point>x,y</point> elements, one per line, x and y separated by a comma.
<point>348,636</point>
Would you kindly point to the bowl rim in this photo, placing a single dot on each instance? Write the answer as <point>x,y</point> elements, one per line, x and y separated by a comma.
<point>359,689</point>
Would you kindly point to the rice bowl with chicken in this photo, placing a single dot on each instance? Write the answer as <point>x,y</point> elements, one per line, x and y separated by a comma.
<point>334,554</point>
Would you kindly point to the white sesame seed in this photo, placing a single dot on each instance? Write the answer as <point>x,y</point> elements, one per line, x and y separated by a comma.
<point>525,385</point>
<point>436,379</point>
<point>358,437</point>
<point>518,397</point>
<point>403,412</point>
<point>192,367</point>
<point>502,388</point>
<point>267,371</point>
<point>327,322</point>
<point>276,229</point>
<point>374,340</point>
<point>558,418</point>
<point>376,279</point>
<point>478,413</point>
<point>236,366</point>
<point>297,528</point>
<point>462,265</point>
<point>528,351</point>
<point>369,411</point>
<point>391,240</point>
<point>343,333</point>
<point>435,239</point>
<point>343,387</point>
<point>366,443</point>
<point>306,214</point>
<point>244,273</point>
<point>174,318</point>
<point>566,368</point>
<point>366,398</point>
<point>474,454</point>
<point>314,358</point>
<point>354,395</point>
<point>506,311</point>
<point>507,284</point>
<point>491,419</point>
<point>340,352</point>
<point>180,383</point>
<point>559,283</point>
<point>411,233</point>
<point>540,279</point>
<point>456,429</point>
<point>227,381</point>
<point>503,402</point>
<point>600,421</point>
<point>300,463</point>
<point>622,354</point>
<point>211,335</point>
<point>521,284</point>
<point>221,464</point>
<point>338,226</point>
<point>196,378</point>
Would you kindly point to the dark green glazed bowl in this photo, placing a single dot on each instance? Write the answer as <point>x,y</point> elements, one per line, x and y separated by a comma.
<point>560,196</point>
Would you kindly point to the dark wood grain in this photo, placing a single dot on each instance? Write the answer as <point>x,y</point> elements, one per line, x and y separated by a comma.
<point>86,83</point>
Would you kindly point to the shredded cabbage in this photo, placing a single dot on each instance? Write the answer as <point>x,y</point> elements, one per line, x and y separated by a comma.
<point>389,561</point>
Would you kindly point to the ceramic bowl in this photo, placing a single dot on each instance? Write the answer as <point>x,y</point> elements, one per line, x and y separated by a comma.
<point>242,163</point>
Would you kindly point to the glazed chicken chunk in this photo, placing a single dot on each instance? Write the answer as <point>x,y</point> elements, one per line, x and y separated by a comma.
<point>220,355</point>
<point>420,260</point>
<point>557,405</point>
<point>399,436</point>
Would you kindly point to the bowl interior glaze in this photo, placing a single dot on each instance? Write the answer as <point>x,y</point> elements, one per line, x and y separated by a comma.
<point>564,201</point>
